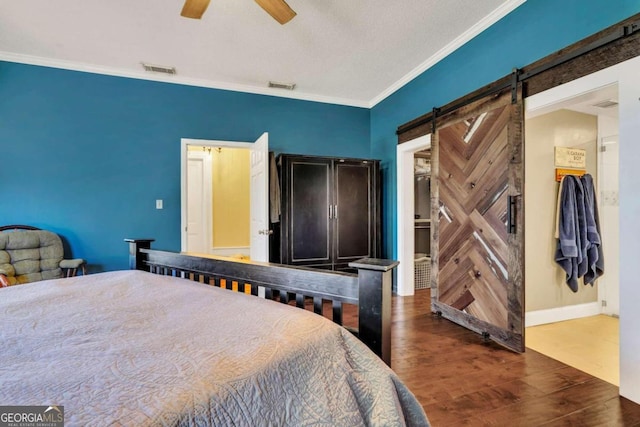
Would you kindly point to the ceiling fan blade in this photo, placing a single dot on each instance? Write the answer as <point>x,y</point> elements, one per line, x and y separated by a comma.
<point>278,9</point>
<point>194,8</point>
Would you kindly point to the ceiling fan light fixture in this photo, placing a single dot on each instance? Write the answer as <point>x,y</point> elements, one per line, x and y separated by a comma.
<point>287,86</point>
<point>159,68</point>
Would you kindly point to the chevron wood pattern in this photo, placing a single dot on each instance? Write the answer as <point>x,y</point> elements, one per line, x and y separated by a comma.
<point>473,182</point>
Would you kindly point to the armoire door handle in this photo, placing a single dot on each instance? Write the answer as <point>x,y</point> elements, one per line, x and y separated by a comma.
<point>335,211</point>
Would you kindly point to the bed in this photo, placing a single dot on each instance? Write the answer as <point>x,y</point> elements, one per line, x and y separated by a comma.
<point>147,347</point>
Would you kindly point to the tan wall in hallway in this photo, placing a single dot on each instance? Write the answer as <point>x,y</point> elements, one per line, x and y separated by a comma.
<point>231,198</point>
<point>545,287</point>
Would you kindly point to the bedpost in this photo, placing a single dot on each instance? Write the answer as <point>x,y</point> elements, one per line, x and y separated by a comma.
<point>136,258</point>
<point>374,304</point>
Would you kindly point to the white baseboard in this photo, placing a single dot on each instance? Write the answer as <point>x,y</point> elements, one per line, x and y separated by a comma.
<point>552,315</point>
<point>231,251</point>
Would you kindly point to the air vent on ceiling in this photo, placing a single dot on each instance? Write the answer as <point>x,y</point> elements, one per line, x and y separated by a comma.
<point>159,68</point>
<point>606,104</point>
<point>287,86</point>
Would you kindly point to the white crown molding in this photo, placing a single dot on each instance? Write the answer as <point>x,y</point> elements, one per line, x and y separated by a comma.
<point>458,42</point>
<point>175,79</point>
<point>476,29</point>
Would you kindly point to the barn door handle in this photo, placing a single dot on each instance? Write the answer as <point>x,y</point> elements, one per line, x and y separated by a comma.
<point>511,214</point>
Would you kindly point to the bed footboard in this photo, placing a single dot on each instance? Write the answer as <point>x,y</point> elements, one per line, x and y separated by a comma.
<point>369,289</point>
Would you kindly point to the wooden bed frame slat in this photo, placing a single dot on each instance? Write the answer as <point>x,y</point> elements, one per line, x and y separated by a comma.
<point>370,289</point>
<point>337,312</point>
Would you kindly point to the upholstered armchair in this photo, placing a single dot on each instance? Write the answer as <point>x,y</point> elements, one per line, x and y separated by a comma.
<point>28,254</point>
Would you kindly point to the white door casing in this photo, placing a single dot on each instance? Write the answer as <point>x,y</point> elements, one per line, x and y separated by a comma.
<point>405,211</point>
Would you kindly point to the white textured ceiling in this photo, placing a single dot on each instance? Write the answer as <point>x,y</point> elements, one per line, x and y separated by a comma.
<point>352,52</point>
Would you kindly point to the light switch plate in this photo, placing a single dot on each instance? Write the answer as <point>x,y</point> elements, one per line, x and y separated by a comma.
<point>159,204</point>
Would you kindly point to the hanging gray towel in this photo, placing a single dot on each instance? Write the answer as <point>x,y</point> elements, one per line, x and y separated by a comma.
<point>274,190</point>
<point>595,259</point>
<point>571,230</point>
<point>583,264</point>
<point>579,248</point>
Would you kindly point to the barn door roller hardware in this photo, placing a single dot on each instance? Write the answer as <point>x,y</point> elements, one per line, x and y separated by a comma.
<point>515,78</point>
<point>434,115</point>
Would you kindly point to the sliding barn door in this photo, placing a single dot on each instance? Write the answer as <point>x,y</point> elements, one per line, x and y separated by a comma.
<point>478,159</point>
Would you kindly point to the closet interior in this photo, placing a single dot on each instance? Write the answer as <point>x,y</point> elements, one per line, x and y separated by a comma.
<point>422,218</point>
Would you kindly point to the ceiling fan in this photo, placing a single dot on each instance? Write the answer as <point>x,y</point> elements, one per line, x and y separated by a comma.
<point>278,9</point>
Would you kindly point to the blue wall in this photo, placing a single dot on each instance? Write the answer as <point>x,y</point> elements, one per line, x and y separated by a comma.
<point>532,31</point>
<point>87,155</point>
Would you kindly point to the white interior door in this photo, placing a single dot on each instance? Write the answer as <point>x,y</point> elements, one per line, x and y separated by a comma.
<point>260,199</point>
<point>198,202</point>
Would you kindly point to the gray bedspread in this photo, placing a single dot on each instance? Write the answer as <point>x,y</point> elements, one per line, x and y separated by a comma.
<point>131,348</point>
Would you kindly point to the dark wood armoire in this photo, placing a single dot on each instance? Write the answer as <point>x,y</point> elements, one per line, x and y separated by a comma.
<point>330,211</point>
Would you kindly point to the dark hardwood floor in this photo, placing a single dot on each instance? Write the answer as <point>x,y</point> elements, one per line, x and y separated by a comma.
<point>462,380</point>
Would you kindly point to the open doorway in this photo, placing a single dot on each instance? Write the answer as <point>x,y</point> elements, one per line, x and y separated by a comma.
<point>422,221</point>
<point>224,198</point>
<point>406,231</point>
<point>218,201</point>
<point>579,328</point>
